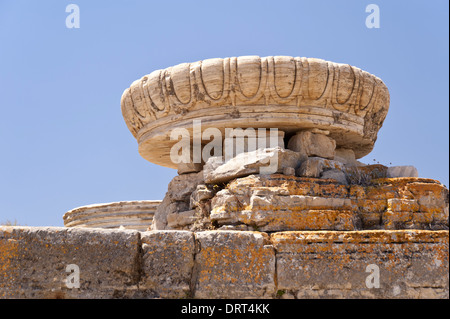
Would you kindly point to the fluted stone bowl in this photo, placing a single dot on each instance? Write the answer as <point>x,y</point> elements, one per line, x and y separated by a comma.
<point>282,92</point>
<point>136,215</point>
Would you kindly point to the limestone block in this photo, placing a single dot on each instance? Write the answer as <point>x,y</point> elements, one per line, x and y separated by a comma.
<point>402,205</point>
<point>279,202</point>
<point>402,171</point>
<point>168,261</point>
<point>266,210</point>
<point>345,156</point>
<point>357,192</point>
<point>406,214</point>
<point>187,168</point>
<point>314,166</point>
<point>343,264</point>
<point>224,263</point>
<point>335,174</point>
<point>181,187</point>
<point>240,264</point>
<point>278,184</point>
<point>298,202</point>
<point>313,144</point>
<point>267,161</point>
<point>177,198</point>
<point>33,262</point>
<point>177,220</point>
<point>398,220</point>
<point>166,208</point>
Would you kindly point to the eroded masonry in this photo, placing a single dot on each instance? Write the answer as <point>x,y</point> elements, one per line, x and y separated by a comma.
<point>291,213</point>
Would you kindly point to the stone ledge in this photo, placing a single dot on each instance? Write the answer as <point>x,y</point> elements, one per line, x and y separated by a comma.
<point>222,264</point>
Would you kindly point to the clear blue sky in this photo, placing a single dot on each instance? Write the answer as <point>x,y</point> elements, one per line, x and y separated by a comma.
<point>63,142</point>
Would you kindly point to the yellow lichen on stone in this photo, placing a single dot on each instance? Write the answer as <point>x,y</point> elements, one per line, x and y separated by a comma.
<point>9,254</point>
<point>234,261</point>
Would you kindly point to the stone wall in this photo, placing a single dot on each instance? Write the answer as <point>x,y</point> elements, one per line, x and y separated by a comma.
<point>223,263</point>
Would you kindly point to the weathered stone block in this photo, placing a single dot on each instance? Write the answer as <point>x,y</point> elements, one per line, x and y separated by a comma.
<point>177,220</point>
<point>33,262</point>
<point>188,168</point>
<point>181,186</point>
<point>402,205</point>
<point>168,260</point>
<point>166,208</point>
<point>177,198</point>
<point>356,191</point>
<point>335,174</point>
<point>343,264</point>
<point>345,156</point>
<point>313,144</point>
<point>272,210</point>
<point>234,264</point>
<point>314,166</point>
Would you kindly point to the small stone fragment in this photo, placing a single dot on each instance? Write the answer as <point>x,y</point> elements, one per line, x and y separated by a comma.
<point>266,161</point>
<point>177,220</point>
<point>202,193</point>
<point>187,168</point>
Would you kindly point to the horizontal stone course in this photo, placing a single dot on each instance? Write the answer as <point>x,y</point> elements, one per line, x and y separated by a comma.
<point>335,264</point>
<point>287,203</point>
<point>222,264</point>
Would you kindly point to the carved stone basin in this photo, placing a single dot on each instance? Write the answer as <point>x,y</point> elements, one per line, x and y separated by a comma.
<point>291,94</point>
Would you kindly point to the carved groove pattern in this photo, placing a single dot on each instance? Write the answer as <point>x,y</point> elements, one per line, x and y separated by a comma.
<point>252,80</point>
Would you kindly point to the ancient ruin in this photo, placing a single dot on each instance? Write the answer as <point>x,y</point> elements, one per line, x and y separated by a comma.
<point>270,200</point>
<point>136,215</point>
